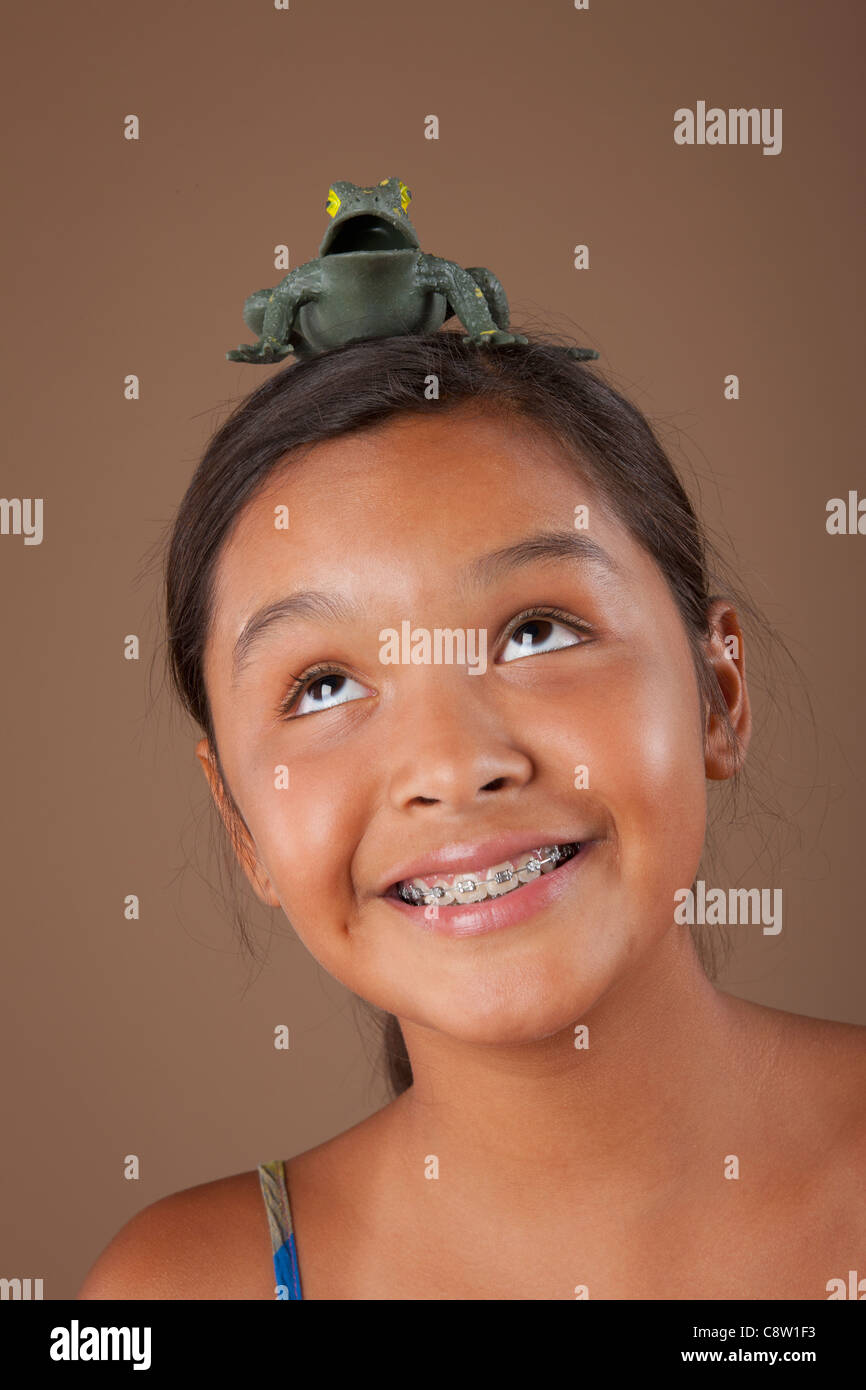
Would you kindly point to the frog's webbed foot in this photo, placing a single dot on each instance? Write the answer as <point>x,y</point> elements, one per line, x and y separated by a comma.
<point>582,354</point>
<point>264,351</point>
<point>497,335</point>
<point>245,352</point>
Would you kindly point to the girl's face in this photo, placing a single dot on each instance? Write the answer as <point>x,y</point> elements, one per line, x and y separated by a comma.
<point>353,771</point>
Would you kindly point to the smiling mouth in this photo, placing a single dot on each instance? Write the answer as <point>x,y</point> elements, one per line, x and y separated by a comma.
<point>477,885</point>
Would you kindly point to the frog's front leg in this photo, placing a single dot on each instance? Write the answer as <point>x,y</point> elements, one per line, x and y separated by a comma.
<point>275,310</point>
<point>466,299</point>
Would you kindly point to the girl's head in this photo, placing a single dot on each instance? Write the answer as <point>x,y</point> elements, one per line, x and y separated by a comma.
<point>419,485</point>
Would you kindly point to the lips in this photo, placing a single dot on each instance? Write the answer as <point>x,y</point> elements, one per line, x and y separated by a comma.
<point>476,858</point>
<point>480,885</point>
<point>526,904</point>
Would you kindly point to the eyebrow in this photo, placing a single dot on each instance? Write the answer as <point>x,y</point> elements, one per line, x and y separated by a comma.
<point>546,545</point>
<point>314,605</point>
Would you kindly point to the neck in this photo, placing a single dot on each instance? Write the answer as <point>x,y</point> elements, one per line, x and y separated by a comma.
<point>661,1066</point>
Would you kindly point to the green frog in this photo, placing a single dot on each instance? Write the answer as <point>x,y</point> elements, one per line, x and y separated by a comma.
<point>372,280</point>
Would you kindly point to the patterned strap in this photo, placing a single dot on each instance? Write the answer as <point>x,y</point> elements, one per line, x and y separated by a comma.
<point>272,1178</point>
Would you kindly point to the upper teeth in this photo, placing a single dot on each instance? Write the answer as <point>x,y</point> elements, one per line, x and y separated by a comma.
<point>475,885</point>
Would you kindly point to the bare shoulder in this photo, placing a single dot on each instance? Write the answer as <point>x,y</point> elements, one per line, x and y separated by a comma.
<point>210,1241</point>
<point>817,1069</point>
<point>822,1047</point>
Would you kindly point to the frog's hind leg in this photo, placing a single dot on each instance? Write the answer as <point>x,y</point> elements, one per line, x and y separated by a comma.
<point>254,310</point>
<point>491,287</point>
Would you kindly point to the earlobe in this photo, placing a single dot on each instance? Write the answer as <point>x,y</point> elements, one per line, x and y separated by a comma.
<point>726,654</point>
<point>240,837</point>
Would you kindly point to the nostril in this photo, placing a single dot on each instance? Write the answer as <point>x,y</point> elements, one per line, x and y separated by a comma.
<point>496,785</point>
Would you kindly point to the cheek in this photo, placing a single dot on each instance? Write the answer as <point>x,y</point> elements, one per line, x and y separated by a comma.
<point>658,791</point>
<point>306,816</point>
<point>638,733</point>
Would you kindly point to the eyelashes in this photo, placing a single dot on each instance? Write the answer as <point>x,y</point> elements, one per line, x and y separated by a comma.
<point>546,618</point>
<point>336,682</point>
<point>329,677</point>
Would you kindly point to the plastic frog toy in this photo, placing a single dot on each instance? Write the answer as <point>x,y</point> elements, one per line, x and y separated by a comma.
<point>372,280</point>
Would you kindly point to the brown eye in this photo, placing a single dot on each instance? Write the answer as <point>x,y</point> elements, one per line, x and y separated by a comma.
<point>322,692</point>
<point>535,636</point>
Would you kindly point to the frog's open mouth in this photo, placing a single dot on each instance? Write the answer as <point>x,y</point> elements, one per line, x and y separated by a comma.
<point>365,232</point>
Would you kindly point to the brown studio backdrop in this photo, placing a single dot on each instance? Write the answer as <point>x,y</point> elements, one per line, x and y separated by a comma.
<point>152,1037</point>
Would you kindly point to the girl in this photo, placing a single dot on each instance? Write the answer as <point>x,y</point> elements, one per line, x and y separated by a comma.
<point>444,618</point>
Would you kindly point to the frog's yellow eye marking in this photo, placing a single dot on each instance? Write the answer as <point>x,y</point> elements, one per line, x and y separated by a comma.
<point>382,183</point>
<point>332,206</point>
<point>405,196</point>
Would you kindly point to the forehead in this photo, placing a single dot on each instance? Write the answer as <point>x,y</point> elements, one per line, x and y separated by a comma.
<point>399,508</point>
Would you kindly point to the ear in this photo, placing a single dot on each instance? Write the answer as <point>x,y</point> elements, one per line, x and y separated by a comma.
<point>725,651</point>
<point>241,839</point>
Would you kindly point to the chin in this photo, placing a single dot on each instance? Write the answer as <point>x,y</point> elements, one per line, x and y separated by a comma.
<point>538,993</point>
<point>526,1009</point>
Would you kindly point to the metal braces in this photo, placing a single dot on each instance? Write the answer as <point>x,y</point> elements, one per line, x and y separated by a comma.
<point>469,885</point>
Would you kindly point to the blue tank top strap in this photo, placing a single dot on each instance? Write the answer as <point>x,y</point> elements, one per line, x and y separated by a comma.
<point>272,1177</point>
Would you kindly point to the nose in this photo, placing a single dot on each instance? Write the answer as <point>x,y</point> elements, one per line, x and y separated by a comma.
<point>452,752</point>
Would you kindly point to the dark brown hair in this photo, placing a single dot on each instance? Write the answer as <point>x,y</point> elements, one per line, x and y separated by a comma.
<point>363,384</point>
